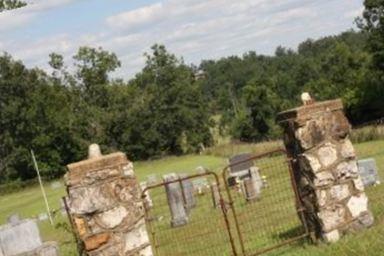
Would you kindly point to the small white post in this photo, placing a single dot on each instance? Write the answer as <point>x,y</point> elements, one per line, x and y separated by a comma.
<point>42,188</point>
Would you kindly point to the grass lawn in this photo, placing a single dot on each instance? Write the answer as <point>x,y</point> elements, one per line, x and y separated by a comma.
<point>206,223</point>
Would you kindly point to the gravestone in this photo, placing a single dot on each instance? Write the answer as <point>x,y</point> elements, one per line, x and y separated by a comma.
<point>239,168</point>
<point>175,201</point>
<point>14,219</point>
<point>200,186</point>
<point>48,249</point>
<point>56,185</point>
<point>368,172</point>
<point>42,216</point>
<point>252,185</point>
<point>240,163</point>
<point>22,237</point>
<point>152,179</point>
<point>187,189</point>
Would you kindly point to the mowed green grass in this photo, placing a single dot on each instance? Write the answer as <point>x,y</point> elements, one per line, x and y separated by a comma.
<point>207,223</point>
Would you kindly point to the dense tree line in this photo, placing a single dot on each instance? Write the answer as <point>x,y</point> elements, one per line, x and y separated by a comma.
<point>168,107</point>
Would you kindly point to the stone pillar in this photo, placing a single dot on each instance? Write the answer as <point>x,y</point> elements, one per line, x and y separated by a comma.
<point>104,200</point>
<point>175,201</point>
<point>325,169</point>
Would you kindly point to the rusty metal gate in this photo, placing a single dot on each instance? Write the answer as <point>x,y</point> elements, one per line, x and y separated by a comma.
<point>267,217</point>
<point>237,222</point>
<point>201,227</point>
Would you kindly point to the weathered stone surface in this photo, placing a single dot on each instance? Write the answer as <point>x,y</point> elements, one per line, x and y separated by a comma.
<point>252,185</point>
<point>327,154</point>
<point>20,238</point>
<point>323,179</point>
<point>175,200</point>
<point>357,205</point>
<point>112,218</point>
<point>81,226</point>
<point>187,189</point>
<point>347,151</point>
<point>332,236</point>
<point>48,249</point>
<point>137,238</point>
<point>322,197</point>
<point>310,162</point>
<point>368,172</point>
<point>324,161</point>
<point>96,241</point>
<point>105,204</point>
<point>358,184</point>
<point>332,216</point>
<point>339,192</point>
<point>310,134</point>
<point>346,170</point>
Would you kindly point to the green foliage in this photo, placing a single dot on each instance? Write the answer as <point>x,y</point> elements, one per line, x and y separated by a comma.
<point>166,108</point>
<point>168,114</point>
<point>160,112</point>
<point>373,23</point>
<point>11,4</point>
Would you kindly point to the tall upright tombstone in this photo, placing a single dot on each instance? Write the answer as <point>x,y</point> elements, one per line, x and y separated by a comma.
<point>252,185</point>
<point>188,191</point>
<point>325,168</point>
<point>104,200</point>
<point>175,199</point>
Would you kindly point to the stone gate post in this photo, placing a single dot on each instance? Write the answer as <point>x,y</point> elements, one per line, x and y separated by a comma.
<point>325,168</point>
<point>104,200</point>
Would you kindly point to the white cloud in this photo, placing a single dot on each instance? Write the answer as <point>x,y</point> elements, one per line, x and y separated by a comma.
<point>141,16</point>
<point>22,16</point>
<point>197,29</point>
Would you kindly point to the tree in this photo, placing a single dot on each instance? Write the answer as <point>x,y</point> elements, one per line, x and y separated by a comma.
<point>93,68</point>
<point>11,4</point>
<point>256,121</point>
<point>373,23</point>
<point>169,115</point>
<point>34,114</point>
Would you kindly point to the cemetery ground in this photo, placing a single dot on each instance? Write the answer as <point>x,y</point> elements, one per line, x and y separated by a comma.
<point>29,203</point>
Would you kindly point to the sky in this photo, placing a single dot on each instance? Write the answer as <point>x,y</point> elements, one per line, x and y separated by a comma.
<point>192,29</point>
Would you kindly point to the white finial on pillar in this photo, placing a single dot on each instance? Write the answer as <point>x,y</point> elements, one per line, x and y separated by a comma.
<point>94,151</point>
<point>306,98</point>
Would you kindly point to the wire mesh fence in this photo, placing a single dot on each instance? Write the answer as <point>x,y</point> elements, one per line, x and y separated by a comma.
<point>263,211</point>
<point>185,217</point>
<point>264,203</point>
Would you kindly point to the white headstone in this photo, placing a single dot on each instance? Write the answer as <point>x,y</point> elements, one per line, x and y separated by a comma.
<point>21,238</point>
<point>368,171</point>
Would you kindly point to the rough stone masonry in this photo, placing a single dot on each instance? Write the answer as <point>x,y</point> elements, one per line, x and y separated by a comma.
<point>325,169</point>
<point>104,200</point>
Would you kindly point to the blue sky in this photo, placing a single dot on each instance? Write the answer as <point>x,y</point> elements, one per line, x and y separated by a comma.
<point>193,29</point>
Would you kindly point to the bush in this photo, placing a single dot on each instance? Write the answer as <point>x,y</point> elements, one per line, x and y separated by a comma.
<point>367,133</point>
